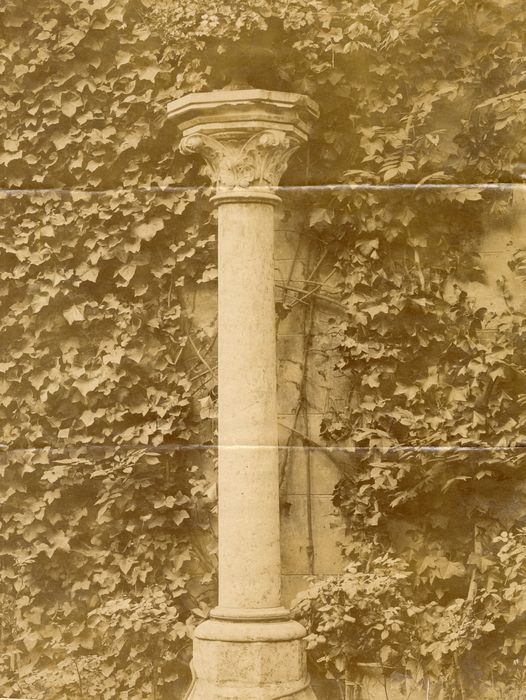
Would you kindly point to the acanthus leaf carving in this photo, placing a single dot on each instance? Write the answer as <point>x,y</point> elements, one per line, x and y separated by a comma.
<point>234,161</point>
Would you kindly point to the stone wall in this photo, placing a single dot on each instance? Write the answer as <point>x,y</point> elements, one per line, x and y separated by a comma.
<point>307,385</point>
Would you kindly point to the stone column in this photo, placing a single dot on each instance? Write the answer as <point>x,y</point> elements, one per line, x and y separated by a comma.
<point>250,649</point>
<point>248,527</point>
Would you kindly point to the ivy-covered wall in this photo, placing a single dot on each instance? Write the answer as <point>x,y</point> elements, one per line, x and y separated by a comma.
<point>106,565</point>
<point>107,341</point>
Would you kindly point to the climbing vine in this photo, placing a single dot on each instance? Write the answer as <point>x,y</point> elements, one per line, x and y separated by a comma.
<point>106,510</point>
<point>434,430</point>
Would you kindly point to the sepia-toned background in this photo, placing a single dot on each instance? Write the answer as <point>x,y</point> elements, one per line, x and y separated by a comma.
<point>399,266</point>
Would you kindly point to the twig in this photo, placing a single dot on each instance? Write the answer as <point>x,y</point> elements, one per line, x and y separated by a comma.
<point>200,356</point>
<point>308,331</point>
<point>205,352</point>
<point>459,677</point>
<point>330,452</point>
<point>305,437</point>
<point>201,374</point>
<point>316,283</point>
<point>81,688</point>
<point>296,253</point>
<point>313,291</point>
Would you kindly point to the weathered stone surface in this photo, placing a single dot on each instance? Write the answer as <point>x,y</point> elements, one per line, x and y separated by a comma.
<point>246,138</point>
<point>248,661</point>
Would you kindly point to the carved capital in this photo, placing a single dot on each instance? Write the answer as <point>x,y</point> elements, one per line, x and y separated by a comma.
<point>241,160</point>
<point>245,136</point>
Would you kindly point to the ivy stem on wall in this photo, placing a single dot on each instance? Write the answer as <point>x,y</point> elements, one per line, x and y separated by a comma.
<point>308,333</point>
<point>79,676</point>
<point>302,406</point>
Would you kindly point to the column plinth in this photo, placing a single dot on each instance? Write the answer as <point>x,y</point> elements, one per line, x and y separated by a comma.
<point>250,649</point>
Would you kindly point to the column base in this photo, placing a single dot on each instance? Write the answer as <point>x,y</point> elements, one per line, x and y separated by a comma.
<point>250,614</point>
<point>250,661</point>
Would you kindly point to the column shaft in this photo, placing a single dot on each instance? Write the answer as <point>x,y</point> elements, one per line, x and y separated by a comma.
<point>249,546</point>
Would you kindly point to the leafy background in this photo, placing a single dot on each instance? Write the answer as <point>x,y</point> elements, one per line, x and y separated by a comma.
<point>108,381</point>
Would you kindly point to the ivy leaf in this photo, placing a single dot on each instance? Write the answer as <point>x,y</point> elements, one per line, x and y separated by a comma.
<point>147,230</point>
<point>74,313</point>
<point>127,272</point>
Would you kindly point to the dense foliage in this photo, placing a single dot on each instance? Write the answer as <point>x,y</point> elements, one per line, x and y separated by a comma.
<point>104,518</point>
<point>105,560</point>
<point>103,549</point>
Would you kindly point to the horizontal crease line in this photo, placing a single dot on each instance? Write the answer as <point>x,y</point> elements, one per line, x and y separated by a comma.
<point>5,450</point>
<point>285,188</point>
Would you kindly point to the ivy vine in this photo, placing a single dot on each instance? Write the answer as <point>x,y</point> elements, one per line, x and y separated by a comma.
<point>107,382</point>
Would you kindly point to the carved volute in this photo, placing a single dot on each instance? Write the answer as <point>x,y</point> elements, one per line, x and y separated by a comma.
<point>246,137</point>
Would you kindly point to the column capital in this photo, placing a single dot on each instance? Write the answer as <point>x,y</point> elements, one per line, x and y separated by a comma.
<point>246,137</point>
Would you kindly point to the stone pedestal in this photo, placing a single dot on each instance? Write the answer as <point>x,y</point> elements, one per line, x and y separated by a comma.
<point>250,649</point>
<point>250,661</point>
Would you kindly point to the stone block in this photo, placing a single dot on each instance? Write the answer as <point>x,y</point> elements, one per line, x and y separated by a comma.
<point>288,218</point>
<point>328,530</point>
<point>317,390</point>
<point>290,267</point>
<point>314,424</point>
<point>258,669</point>
<point>289,385</point>
<point>324,343</point>
<point>289,245</point>
<point>296,471</point>
<point>292,585</point>
<point>284,421</point>
<point>290,347</point>
<point>294,321</point>
<point>245,663</point>
<point>325,474</point>
<point>294,536</point>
